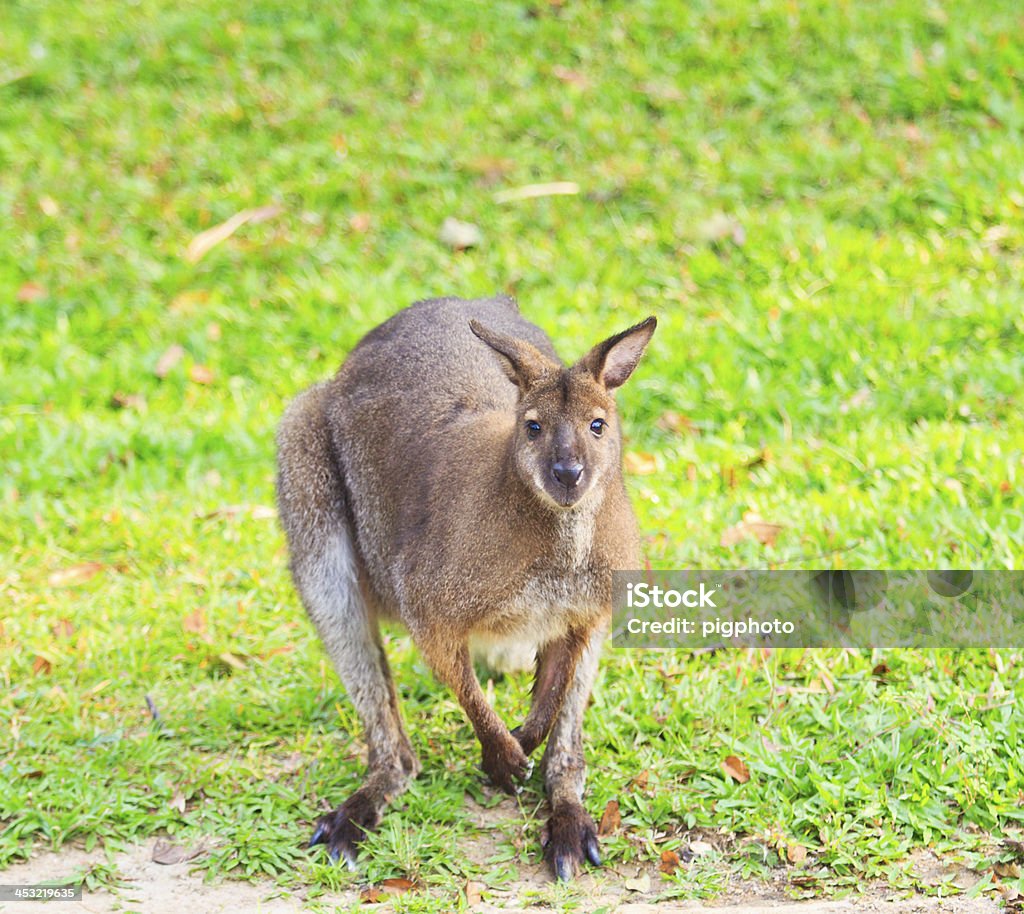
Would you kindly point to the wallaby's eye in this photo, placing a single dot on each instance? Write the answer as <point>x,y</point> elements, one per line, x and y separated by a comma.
<point>597,427</point>
<point>532,430</point>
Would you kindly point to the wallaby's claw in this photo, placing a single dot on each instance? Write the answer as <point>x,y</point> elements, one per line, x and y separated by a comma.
<point>529,769</point>
<point>342,830</point>
<point>572,839</point>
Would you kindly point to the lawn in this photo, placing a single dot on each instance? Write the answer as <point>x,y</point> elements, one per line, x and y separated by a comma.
<point>822,202</point>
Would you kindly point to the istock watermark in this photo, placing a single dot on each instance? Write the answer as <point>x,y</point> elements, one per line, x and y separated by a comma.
<point>825,608</point>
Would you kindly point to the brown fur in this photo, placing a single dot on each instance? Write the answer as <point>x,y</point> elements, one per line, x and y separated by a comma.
<point>412,486</point>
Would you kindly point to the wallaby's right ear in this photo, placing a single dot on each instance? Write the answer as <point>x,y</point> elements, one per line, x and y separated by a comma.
<point>523,362</point>
<point>613,361</point>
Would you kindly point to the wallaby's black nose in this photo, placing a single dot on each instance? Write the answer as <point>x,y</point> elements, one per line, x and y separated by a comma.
<point>568,473</point>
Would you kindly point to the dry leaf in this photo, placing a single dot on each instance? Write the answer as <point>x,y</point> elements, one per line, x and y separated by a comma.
<point>531,191</point>
<point>669,862</point>
<point>733,766</point>
<point>754,527</point>
<point>122,400</point>
<point>671,421</point>
<point>700,848</point>
<point>640,781</point>
<point>231,660</point>
<point>195,622</point>
<point>371,895</point>
<point>41,666</point>
<point>200,374</point>
<point>796,853</point>
<point>571,77</point>
<point>49,207</point>
<point>165,364</point>
<point>641,883</point>
<point>168,854</point>
<point>639,463</point>
<point>177,802</point>
<point>460,235</point>
<point>201,245</point>
<point>720,227</point>
<point>474,892</point>
<point>30,291</point>
<point>1007,870</point>
<point>76,574</point>
<point>398,886</point>
<point>360,222</point>
<point>62,628</point>
<point>611,819</point>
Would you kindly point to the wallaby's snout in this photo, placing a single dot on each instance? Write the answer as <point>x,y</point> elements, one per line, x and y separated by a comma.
<point>568,472</point>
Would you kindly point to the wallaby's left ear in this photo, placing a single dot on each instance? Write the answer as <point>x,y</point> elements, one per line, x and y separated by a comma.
<point>613,361</point>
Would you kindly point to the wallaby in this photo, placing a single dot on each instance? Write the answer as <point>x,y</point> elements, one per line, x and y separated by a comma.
<point>455,476</point>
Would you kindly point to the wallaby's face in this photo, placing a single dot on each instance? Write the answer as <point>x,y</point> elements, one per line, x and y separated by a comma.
<point>566,440</point>
<point>567,437</point>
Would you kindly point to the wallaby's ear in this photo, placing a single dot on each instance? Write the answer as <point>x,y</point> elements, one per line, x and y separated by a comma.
<point>613,361</point>
<point>522,361</point>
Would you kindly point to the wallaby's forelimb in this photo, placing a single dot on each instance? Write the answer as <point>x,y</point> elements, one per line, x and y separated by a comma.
<point>571,834</point>
<point>556,668</point>
<point>502,758</point>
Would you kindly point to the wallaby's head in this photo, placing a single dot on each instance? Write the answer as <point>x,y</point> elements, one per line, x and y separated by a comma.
<point>567,440</point>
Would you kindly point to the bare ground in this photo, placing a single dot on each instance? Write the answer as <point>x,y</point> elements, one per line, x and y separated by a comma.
<point>178,888</point>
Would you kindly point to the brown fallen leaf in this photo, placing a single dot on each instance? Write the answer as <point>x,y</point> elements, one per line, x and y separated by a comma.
<point>399,885</point>
<point>474,892</point>
<point>204,242</point>
<point>168,853</point>
<point>372,895</point>
<point>121,400</point>
<point>41,666</point>
<point>671,421</point>
<point>62,628</point>
<point>200,374</point>
<point>570,77</point>
<point>611,819</point>
<point>195,622</point>
<point>796,853</point>
<point>76,574</point>
<point>360,222</point>
<point>177,802</point>
<point>669,862</point>
<point>640,463</point>
<point>754,527</point>
<point>165,364</point>
<point>734,767</point>
<point>1007,870</point>
<point>30,291</point>
<point>640,781</point>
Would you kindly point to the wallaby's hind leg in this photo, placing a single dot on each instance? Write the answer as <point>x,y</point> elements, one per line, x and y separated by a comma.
<point>571,834</point>
<point>311,499</point>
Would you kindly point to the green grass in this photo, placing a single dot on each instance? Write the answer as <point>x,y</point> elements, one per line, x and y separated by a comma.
<point>823,204</point>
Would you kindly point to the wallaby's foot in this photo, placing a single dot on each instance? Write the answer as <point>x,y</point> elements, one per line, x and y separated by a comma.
<point>505,763</point>
<point>342,830</point>
<point>571,839</point>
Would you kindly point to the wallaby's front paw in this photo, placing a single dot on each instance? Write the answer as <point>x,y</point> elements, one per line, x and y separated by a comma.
<point>571,838</point>
<point>342,830</point>
<point>506,764</point>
